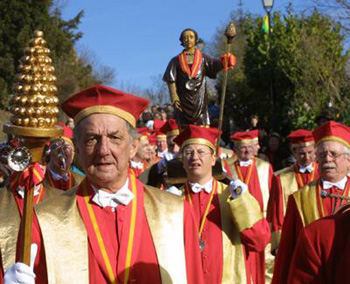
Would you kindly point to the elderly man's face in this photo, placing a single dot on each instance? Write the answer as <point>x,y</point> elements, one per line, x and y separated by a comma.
<point>143,150</point>
<point>246,152</point>
<point>161,144</point>
<point>333,161</point>
<point>198,161</point>
<point>304,155</point>
<point>104,148</point>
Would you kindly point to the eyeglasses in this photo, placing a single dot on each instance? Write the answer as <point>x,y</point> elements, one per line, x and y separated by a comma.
<point>333,156</point>
<point>200,153</point>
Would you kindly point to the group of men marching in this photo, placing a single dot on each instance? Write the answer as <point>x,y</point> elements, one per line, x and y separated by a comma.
<point>109,227</point>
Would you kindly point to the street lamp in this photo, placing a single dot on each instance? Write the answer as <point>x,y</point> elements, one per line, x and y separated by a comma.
<point>268,5</point>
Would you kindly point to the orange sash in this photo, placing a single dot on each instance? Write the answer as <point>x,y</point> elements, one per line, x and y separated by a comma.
<point>239,173</point>
<point>318,190</point>
<point>115,268</point>
<point>299,178</point>
<point>193,71</point>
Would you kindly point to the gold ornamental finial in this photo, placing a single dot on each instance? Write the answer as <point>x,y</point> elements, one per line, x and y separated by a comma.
<point>33,104</point>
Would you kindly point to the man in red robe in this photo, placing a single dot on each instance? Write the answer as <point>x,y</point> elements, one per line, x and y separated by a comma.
<point>111,227</point>
<point>231,223</point>
<point>60,158</point>
<point>322,251</point>
<point>307,205</point>
<point>290,180</point>
<point>258,175</point>
<point>139,162</point>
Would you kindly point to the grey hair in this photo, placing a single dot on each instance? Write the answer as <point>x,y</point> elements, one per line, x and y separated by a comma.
<point>132,131</point>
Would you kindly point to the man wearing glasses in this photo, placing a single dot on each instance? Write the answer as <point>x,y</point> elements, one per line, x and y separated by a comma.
<point>231,224</point>
<point>315,200</point>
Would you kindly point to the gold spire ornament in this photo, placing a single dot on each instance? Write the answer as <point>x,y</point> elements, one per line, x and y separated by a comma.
<point>33,104</point>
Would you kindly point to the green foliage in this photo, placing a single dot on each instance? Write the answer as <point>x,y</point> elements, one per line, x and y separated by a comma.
<point>18,21</point>
<point>304,57</point>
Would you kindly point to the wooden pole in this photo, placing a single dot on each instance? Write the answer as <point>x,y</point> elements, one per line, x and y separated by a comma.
<point>230,33</point>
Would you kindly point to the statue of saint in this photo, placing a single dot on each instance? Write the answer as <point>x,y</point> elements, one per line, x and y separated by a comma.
<point>186,78</point>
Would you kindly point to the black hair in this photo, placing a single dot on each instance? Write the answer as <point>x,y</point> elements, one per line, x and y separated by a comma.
<point>188,30</point>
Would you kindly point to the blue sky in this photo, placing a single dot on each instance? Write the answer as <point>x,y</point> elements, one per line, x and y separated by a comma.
<point>137,38</point>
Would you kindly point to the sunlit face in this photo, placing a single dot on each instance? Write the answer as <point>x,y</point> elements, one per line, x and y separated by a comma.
<point>143,150</point>
<point>245,152</point>
<point>161,144</point>
<point>198,161</point>
<point>61,156</point>
<point>172,146</point>
<point>256,148</point>
<point>104,148</point>
<point>304,155</point>
<point>333,161</point>
<point>189,39</point>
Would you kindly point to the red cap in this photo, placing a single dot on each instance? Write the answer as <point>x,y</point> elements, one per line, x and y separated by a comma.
<point>301,138</point>
<point>332,131</point>
<point>194,134</point>
<point>158,124</point>
<point>245,137</point>
<point>67,133</point>
<point>170,128</point>
<point>144,132</point>
<point>152,138</point>
<point>102,99</point>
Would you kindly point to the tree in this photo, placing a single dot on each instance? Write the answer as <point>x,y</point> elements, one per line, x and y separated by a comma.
<point>19,20</point>
<point>305,54</point>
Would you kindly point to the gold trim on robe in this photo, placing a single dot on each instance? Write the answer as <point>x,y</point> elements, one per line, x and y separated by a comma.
<point>246,211</point>
<point>10,223</point>
<point>306,202</point>
<point>233,270</point>
<point>165,217</point>
<point>262,168</point>
<point>289,184</point>
<point>164,214</point>
<point>9,227</point>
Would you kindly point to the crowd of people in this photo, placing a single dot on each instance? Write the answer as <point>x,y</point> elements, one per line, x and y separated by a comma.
<point>137,194</point>
<point>122,218</point>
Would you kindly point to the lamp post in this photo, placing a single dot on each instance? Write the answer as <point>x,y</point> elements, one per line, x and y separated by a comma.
<point>268,5</point>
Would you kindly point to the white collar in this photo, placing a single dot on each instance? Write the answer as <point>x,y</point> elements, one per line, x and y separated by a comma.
<point>136,165</point>
<point>308,168</point>
<point>245,163</point>
<point>20,190</point>
<point>340,184</point>
<point>56,176</point>
<point>196,187</point>
<point>161,154</point>
<point>122,196</point>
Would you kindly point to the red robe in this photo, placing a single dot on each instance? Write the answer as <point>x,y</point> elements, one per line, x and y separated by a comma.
<point>277,203</point>
<point>115,227</point>
<point>322,251</point>
<point>256,259</point>
<point>254,239</point>
<point>293,224</point>
<point>74,179</point>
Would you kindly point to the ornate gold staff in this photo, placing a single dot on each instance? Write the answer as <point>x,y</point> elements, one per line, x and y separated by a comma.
<point>230,33</point>
<point>34,112</point>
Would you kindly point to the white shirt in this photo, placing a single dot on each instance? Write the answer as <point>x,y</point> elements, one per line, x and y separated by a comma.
<point>245,163</point>
<point>196,187</point>
<point>307,169</point>
<point>56,176</point>
<point>340,184</point>
<point>136,165</point>
<point>20,190</point>
<point>122,196</point>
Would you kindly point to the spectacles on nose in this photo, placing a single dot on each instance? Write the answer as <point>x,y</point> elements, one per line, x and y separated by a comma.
<point>333,156</point>
<point>191,153</point>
